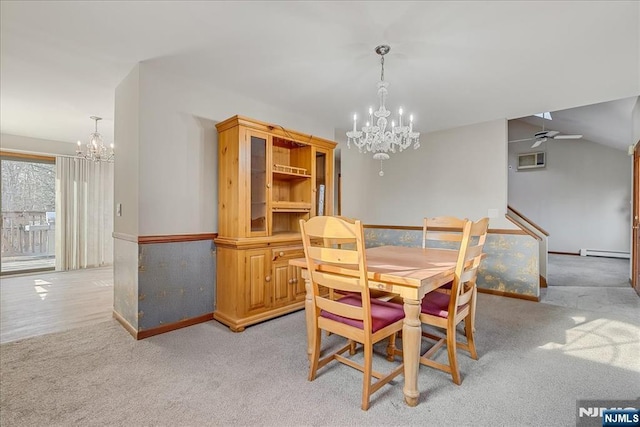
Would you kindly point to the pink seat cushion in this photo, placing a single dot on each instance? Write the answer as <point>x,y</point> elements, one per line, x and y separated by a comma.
<point>383,313</point>
<point>437,304</point>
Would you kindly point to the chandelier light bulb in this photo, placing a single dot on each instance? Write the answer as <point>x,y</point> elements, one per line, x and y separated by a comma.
<point>377,137</point>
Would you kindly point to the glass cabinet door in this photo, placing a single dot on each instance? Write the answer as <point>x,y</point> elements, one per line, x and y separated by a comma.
<point>323,169</point>
<point>258,184</point>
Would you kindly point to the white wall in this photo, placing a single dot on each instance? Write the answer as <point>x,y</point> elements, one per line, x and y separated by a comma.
<point>25,144</point>
<point>126,141</point>
<point>177,166</point>
<point>460,172</point>
<point>582,195</point>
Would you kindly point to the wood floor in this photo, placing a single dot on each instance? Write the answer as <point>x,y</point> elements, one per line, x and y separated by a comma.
<point>42,303</point>
<point>22,264</point>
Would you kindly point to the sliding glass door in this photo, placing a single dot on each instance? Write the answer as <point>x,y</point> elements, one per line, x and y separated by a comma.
<point>28,213</point>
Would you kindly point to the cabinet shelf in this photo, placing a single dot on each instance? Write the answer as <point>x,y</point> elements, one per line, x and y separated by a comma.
<point>288,176</point>
<point>286,206</point>
<point>289,172</point>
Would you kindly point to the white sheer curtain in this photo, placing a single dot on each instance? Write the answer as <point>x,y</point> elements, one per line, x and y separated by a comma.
<point>84,213</point>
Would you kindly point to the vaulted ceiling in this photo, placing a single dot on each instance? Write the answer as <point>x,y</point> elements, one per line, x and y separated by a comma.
<point>451,63</point>
<point>607,123</point>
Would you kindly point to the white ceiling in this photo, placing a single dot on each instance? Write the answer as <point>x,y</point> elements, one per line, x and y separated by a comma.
<point>451,63</point>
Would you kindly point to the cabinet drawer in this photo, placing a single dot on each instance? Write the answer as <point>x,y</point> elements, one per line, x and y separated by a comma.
<point>289,252</point>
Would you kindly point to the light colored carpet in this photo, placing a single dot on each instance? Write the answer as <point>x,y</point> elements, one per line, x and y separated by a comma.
<point>572,270</point>
<point>535,361</point>
<point>622,301</point>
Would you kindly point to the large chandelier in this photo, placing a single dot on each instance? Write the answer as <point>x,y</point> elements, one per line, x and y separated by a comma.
<point>95,149</point>
<point>375,137</point>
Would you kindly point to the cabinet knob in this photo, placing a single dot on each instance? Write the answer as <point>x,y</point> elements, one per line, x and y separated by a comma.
<point>281,253</point>
<point>268,185</point>
<point>267,279</point>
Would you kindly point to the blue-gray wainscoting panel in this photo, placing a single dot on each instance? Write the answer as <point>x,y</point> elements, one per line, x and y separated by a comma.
<point>511,265</point>
<point>176,281</point>
<point>125,281</point>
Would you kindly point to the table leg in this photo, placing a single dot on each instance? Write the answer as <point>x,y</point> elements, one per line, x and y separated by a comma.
<point>411,337</point>
<point>308,310</point>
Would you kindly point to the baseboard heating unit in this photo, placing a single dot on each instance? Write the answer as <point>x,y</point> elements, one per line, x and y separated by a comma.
<point>609,254</point>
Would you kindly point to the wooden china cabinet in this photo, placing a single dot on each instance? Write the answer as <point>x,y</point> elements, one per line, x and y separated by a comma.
<point>268,179</point>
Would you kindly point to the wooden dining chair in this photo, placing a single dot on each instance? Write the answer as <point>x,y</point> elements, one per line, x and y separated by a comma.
<point>443,232</point>
<point>446,311</point>
<point>355,316</point>
<point>442,229</point>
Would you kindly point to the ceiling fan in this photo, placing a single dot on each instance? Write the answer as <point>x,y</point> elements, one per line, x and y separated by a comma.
<point>544,135</point>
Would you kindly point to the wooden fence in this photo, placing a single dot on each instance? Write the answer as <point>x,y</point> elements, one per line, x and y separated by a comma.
<point>27,233</point>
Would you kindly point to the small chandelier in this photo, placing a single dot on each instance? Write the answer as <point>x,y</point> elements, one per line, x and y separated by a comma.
<point>95,149</point>
<point>376,137</point>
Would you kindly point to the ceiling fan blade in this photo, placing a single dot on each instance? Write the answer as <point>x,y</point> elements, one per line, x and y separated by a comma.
<point>538,142</point>
<point>546,134</point>
<point>521,140</point>
<point>567,137</point>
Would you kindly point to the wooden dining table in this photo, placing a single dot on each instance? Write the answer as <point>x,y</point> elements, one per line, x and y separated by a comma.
<point>409,272</point>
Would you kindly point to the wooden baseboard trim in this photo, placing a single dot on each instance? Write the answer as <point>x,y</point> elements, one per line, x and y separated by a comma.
<point>508,294</point>
<point>173,326</point>
<point>543,282</point>
<point>419,228</point>
<point>393,227</point>
<point>518,232</point>
<point>175,238</point>
<point>143,240</point>
<point>28,156</point>
<point>128,326</point>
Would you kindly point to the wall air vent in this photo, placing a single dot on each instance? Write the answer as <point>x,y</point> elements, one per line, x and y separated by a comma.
<point>531,160</point>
